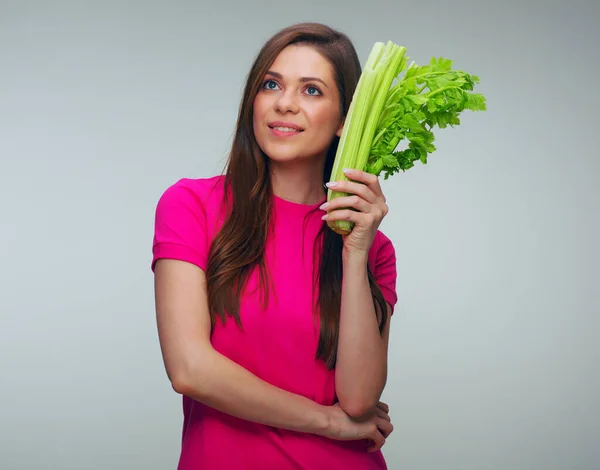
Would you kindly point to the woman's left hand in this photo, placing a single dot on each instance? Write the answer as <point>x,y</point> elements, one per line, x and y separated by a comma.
<point>370,208</point>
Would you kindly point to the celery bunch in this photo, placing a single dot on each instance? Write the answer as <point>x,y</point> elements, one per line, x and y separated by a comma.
<point>382,114</point>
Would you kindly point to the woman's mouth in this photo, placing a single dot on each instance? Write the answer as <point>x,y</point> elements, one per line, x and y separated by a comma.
<point>285,129</point>
<point>281,131</point>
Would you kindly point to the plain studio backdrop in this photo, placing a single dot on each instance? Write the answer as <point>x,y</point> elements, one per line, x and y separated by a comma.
<point>495,342</point>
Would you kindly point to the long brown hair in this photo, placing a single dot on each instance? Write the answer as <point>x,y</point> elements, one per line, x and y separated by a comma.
<point>238,248</point>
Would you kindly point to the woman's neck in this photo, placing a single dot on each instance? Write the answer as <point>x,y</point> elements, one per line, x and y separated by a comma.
<point>301,183</point>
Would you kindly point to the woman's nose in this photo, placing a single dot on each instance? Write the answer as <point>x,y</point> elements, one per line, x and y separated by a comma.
<point>287,103</point>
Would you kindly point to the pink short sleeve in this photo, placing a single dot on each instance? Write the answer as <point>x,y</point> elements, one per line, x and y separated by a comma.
<point>180,226</point>
<point>385,270</point>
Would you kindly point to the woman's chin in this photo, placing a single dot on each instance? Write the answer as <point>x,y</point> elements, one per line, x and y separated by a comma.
<point>292,155</point>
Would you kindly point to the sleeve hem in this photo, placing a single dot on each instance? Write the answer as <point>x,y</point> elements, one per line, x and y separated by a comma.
<point>178,252</point>
<point>390,297</point>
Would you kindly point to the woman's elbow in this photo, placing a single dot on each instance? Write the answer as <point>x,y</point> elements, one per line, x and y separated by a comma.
<point>187,380</point>
<point>181,384</point>
<point>358,408</point>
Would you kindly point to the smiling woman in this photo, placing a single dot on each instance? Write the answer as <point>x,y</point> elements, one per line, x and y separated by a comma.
<point>272,326</point>
<point>307,95</point>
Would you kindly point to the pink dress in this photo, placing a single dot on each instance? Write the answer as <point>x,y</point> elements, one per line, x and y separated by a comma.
<point>277,344</point>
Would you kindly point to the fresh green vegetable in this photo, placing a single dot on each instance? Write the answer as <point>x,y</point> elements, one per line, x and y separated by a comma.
<point>382,114</point>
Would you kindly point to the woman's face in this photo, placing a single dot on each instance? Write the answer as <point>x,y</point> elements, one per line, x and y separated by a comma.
<point>297,109</point>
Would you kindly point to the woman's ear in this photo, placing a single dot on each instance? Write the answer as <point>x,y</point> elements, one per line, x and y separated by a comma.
<point>341,128</point>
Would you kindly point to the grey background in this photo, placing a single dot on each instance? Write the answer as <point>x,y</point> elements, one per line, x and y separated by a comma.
<point>495,344</point>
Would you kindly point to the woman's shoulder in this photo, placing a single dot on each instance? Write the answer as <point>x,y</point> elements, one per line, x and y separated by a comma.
<point>383,264</point>
<point>381,242</point>
<point>199,187</point>
<point>203,192</point>
<point>382,251</point>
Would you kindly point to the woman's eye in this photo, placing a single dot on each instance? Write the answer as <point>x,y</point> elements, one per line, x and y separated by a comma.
<point>270,85</point>
<point>312,90</point>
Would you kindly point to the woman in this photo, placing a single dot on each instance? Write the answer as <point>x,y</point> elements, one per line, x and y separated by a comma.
<point>273,327</point>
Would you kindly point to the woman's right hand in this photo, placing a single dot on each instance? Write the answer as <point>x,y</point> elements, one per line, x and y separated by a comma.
<point>376,427</point>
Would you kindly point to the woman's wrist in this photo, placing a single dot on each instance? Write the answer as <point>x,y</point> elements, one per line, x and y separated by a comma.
<point>353,257</point>
<point>325,424</point>
<point>321,422</point>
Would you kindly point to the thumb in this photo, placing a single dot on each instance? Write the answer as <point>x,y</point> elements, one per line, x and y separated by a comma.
<point>378,442</point>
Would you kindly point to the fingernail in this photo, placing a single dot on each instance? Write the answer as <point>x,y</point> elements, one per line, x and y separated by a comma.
<point>347,170</point>
<point>331,184</point>
<point>325,217</point>
<point>324,206</point>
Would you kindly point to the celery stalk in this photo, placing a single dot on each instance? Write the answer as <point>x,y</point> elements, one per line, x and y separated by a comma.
<point>358,107</point>
<point>381,116</point>
<point>388,74</point>
<point>359,128</point>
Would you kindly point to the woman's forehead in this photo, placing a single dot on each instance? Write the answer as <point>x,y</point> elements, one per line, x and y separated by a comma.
<point>297,61</point>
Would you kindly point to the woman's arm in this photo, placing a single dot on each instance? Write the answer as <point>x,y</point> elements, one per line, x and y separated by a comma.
<point>195,369</point>
<point>361,370</point>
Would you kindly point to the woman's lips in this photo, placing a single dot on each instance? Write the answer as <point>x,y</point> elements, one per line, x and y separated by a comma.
<point>284,131</point>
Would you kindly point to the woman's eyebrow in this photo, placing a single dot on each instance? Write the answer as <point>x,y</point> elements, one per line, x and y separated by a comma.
<point>302,79</point>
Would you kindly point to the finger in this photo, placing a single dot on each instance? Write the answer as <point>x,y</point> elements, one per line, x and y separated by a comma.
<point>385,427</point>
<point>383,406</point>
<point>383,415</point>
<point>351,187</point>
<point>377,440</point>
<point>355,202</point>
<point>362,176</point>
<point>358,218</point>
<point>369,179</point>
